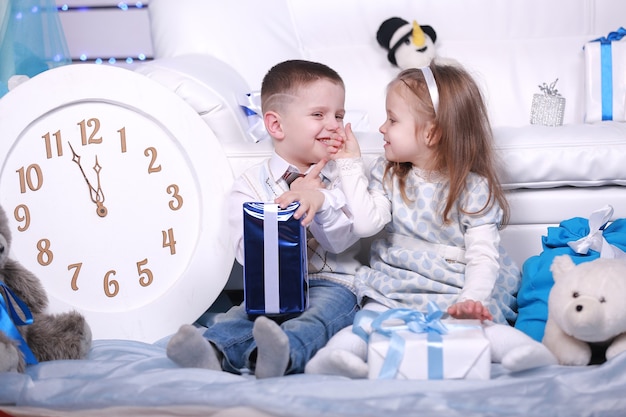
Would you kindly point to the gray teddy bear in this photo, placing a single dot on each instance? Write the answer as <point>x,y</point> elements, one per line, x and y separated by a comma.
<point>27,333</point>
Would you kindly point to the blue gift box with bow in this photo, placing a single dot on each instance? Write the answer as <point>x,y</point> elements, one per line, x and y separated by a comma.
<point>407,344</point>
<point>605,77</point>
<point>583,240</point>
<point>275,260</point>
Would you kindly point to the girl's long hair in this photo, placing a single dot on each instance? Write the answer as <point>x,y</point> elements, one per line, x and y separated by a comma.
<point>462,126</point>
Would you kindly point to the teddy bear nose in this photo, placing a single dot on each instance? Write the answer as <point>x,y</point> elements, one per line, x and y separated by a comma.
<point>579,308</point>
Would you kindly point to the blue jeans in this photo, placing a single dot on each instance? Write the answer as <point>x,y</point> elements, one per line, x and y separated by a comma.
<point>331,308</point>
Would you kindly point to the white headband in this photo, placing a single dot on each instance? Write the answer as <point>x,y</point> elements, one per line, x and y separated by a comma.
<point>432,86</point>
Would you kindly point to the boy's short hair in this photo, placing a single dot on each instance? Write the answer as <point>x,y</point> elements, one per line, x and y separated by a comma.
<point>283,80</point>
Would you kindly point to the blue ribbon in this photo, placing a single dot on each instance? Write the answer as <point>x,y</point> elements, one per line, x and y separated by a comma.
<point>414,321</point>
<point>251,106</point>
<point>9,319</point>
<point>606,67</point>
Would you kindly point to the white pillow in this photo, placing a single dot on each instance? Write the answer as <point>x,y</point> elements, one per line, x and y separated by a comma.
<point>210,86</point>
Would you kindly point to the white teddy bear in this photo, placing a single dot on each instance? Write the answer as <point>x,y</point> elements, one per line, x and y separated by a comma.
<point>586,306</point>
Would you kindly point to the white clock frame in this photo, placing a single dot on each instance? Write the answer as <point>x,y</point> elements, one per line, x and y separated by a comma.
<point>185,298</point>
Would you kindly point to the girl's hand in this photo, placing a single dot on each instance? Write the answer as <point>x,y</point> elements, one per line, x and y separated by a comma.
<point>470,309</point>
<point>350,146</point>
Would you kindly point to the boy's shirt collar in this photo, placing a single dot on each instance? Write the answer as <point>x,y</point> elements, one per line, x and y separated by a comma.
<point>278,167</point>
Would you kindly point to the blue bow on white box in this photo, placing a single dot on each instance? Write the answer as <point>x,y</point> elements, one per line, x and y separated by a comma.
<point>390,322</point>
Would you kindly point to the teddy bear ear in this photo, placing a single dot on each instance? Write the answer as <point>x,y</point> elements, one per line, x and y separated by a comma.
<point>561,265</point>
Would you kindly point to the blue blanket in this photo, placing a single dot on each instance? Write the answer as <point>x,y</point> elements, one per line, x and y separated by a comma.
<point>126,373</point>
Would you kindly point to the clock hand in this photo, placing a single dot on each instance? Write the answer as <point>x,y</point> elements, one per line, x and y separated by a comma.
<point>96,194</point>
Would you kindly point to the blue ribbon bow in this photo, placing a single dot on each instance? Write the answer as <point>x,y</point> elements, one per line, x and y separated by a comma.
<point>411,320</point>
<point>251,106</point>
<point>10,317</point>
<point>606,67</point>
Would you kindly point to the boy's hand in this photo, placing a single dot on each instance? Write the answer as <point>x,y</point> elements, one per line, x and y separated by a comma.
<point>350,147</point>
<point>311,200</point>
<point>470,309</point>
<point>305,190</point>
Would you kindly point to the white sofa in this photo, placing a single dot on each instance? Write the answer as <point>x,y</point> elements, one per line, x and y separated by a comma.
<point>212,53</point>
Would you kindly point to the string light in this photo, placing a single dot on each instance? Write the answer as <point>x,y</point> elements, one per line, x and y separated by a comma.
<point>123,6</point>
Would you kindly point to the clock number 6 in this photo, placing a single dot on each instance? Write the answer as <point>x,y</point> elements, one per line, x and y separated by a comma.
<point>108,283</point>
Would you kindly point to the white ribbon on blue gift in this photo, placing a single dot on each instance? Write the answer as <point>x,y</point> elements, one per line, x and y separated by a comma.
<point>270,258</point>
<point>412,320</point>
<point>606,68</point>
<point>595,240</point>
<point>251,105</point>
<point>9,318</point>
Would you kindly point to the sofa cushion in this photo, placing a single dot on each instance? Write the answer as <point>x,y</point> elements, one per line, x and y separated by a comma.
<point>534,156</point>
<point>583,155</point>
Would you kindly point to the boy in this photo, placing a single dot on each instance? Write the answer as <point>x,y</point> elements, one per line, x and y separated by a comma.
<point>303,109</point>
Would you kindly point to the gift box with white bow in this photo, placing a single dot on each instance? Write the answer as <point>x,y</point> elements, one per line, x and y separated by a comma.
<point>605,78</point>
<point>405,344</point>
<point>275,260</point>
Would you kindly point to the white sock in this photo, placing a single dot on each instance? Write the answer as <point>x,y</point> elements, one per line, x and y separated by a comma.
<point>189,349</point>
<point>329,361</point>
<point>515,350</point>
<point>272,348</point>
<point>528,357</point>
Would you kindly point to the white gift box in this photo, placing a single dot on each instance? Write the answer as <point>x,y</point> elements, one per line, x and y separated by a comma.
<point>605,78</point>
<point>465,353</point>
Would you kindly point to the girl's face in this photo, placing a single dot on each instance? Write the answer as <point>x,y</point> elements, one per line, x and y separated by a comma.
<point>406,132</point>
<point>313,117</point>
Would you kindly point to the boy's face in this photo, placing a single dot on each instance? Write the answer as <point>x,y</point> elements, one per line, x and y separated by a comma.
<point>307,122</point>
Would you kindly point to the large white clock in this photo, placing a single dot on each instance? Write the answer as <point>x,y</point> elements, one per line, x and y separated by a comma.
<point>115,190</point>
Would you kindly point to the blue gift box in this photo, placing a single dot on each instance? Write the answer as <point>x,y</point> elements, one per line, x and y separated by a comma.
<point>275,260</point>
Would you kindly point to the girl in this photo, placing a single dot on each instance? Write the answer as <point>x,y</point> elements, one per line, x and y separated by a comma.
<point>438,199</point>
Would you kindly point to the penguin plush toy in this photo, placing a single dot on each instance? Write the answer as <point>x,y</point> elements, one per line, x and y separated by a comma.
<point>409,45</point>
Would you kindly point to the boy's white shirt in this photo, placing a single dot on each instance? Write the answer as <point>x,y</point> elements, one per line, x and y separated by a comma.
<point>331,227</point>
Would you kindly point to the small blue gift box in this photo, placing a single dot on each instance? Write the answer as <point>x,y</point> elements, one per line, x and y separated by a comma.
<point>275,260</point>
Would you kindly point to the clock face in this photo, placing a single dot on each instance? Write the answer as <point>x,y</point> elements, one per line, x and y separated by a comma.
<point>116,199</point>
